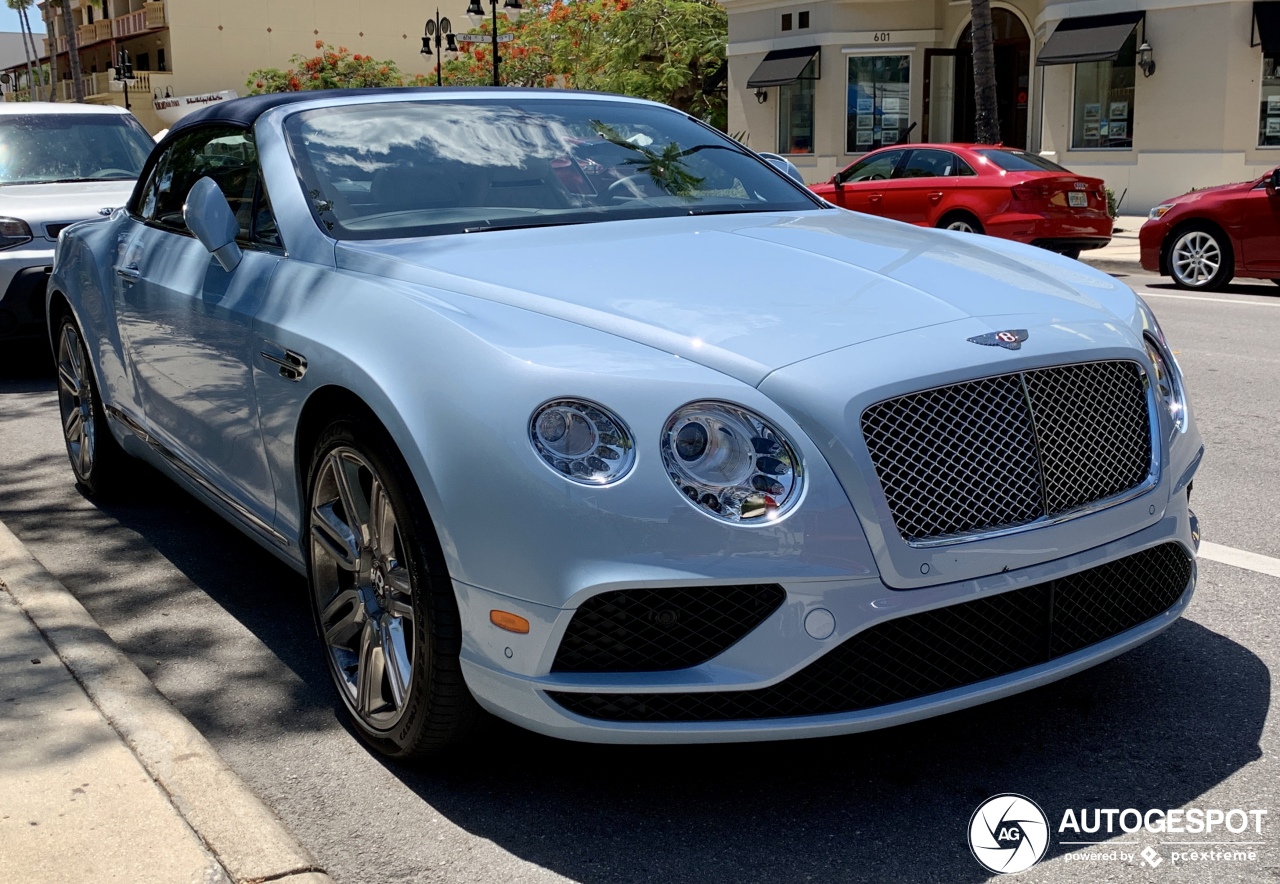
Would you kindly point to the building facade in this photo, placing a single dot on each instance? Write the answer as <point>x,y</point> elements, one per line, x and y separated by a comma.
<point>1153,96</point>
<point>193,47</point>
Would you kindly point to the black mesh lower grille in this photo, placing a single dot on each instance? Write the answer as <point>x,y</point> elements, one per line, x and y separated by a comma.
<point>647,630</point>
<point>937,650</point>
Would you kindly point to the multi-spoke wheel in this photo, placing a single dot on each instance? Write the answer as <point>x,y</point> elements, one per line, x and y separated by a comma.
<point>1200,259</point>
<point>95,456</point>
<point>384,607</point>
<point>962,222</point>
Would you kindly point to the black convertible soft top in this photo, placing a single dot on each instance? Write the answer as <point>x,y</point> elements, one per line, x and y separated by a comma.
<point>245,111</point>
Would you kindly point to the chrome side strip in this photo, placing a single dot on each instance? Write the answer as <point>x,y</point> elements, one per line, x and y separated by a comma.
<point>239,509</point>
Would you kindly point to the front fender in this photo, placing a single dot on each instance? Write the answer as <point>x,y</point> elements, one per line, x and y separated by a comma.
<point>455,381</point>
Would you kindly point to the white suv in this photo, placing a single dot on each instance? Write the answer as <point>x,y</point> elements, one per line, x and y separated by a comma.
<point>59,164</point>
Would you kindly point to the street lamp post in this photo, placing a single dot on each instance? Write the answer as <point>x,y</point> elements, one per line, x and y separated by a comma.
<point>440,29</point>
<point>475,12</point>
<point>124,74</point>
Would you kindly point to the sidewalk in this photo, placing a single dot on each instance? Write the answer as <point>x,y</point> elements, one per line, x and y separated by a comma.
<point>101,778</point>
<point>1121,255</point>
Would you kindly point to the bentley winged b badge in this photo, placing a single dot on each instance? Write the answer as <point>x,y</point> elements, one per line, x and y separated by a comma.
<point>1010,338</point>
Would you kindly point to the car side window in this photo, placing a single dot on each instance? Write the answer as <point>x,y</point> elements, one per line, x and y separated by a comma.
<point>963,169</point>
<point>928,163</point>
<point>265,231</point>
<point>227,156</point>
<point>873,168</point>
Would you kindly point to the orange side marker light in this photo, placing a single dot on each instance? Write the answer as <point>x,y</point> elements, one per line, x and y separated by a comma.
<point>510,622</point>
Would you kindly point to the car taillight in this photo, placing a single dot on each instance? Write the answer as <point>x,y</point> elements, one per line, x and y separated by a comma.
<point>1030,192</point>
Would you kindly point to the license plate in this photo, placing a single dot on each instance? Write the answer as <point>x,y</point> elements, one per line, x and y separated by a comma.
<point>1078,200</point>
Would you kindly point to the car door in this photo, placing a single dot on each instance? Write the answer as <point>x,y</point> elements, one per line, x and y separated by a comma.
<point>861,187</point>
<point>188,321</point>
<point>920,184</point>
<point>1260,230</point>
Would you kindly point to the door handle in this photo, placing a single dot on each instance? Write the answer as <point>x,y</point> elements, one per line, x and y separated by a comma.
<point>934,197</point>
<point>129,272</point>
<point>875,197</point>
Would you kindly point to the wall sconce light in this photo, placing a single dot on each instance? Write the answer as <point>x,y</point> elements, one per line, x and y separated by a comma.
<point>1145,62</point>
<point>761,96</point>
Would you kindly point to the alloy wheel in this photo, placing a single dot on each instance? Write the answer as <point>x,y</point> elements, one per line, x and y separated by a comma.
<point>1195,259</point>
<point>75,400</point>
<point>961,225</point>
<point>364,592</point>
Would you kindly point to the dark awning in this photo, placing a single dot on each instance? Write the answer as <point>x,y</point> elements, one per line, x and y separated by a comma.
<point>1267,16</point>
<point>781,66</point>
<point>1089,38</point>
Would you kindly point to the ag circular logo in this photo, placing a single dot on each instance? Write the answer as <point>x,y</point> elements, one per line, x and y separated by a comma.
<point>1008,833</point>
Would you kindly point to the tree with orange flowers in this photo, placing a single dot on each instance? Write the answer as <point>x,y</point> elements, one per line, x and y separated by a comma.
<point>333,68</point>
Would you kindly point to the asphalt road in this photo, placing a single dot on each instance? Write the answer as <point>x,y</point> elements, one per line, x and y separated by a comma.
<point>1184,721</point>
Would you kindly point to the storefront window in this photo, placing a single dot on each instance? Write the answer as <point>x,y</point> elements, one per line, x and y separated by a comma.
<point>1104,100</point>
<point>879,110</point>
<point>1269,119</point>
<point>795,112</point>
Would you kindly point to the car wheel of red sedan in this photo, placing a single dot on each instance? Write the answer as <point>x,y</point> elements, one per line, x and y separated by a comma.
<point>960,221</point>
<point>1200,259</point>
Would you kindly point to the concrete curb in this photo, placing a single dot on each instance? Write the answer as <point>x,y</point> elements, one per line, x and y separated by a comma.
<point>237,828</point>
<point>1108,265</point>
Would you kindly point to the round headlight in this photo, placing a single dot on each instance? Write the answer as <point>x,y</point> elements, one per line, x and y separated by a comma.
<point>582,441</point>
<point>731,463</point>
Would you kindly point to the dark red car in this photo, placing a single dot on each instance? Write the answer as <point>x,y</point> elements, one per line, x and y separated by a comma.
<point>980,188</point>
<point>1205,237</point>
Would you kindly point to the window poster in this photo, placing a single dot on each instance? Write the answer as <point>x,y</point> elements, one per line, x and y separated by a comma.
<point>892,106</point>
<point>1090,130</point>
<point>1092,113</point>
<point>1119,129</point>
<point>866,106</point>
<point>1273,105</point>
<point>1273,126</point>
<point>865,138</point>
<point>1119,110</point>
<point>866,121</point>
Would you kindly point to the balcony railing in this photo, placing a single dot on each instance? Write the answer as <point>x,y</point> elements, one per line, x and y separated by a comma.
<point>128,25</point>
<point>104,89</point>
<point>155,11</point>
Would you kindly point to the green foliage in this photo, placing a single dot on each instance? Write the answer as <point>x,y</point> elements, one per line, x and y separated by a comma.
<point>670,51</point>
<point>331,69</point>
<point>1112,209</point>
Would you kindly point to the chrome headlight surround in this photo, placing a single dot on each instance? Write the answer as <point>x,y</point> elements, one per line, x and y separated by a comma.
<point>582,441</point>
<point>1168,374</point>
<point>731,463</point>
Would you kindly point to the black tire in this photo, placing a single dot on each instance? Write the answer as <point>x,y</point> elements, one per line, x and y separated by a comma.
<point>100,465</point>
<point>399,574</point>
<point>1199,258</point>
<point>1070,253</point>
<point>960,221</point>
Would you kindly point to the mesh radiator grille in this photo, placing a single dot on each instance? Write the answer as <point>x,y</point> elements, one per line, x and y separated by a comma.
<point>1007,450</point>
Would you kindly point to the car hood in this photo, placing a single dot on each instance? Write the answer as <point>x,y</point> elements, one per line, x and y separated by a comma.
<point>63,202</point>
<point>747,294</point>
<point>1217,190</point>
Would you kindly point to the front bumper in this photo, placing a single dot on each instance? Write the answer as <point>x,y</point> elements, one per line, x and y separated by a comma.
<point>1150,245</point>
<point>511,674</point>
<point>24,275</point>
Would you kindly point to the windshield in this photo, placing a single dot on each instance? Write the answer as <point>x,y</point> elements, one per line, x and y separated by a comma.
<point>1020,161</point>
<point>404,169</point>
<point>46,148</point>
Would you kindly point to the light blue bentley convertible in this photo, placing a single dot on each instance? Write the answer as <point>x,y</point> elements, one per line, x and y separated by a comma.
<point>576,411</point>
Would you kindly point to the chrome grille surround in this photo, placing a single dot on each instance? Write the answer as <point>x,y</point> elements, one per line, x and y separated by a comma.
<point>1013,451</point>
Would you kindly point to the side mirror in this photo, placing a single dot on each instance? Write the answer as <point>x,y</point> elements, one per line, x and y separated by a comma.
<point>210,218</point>
<point>785,166</point>
<point>1273,182</point>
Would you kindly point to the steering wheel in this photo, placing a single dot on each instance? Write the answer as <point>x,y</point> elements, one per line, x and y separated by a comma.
<point>877,177</point>
<point>113,173</point>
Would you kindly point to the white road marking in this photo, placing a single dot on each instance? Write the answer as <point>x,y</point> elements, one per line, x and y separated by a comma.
<point>1239,558</point>
<point>1273,303</point>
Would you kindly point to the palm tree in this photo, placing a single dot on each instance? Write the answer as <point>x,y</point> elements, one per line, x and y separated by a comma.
<point>35,54</point>
<point>986,119</point>
<point>28,48</point>
<point>73,49</point>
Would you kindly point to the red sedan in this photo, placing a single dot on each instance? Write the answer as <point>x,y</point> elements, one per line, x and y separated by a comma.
<point>979,188</point>
<point>1204,238</point>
